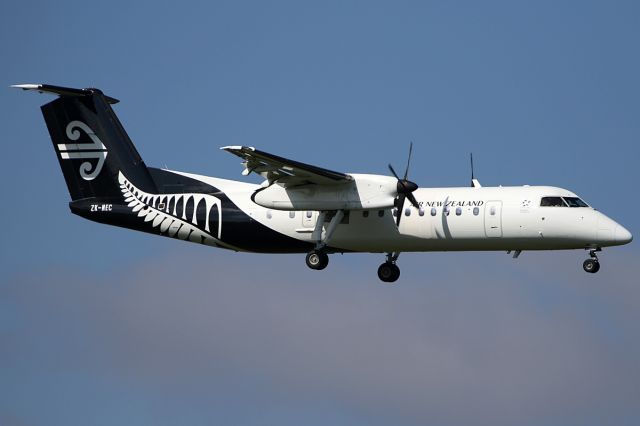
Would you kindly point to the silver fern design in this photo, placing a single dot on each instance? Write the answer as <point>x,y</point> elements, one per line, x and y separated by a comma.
<point>193,217</point>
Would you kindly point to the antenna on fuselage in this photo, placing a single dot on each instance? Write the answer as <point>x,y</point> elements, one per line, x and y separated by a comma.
<point>474,182</point>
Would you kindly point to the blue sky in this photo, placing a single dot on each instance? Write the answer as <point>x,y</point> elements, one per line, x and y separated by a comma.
<point>100,325</point>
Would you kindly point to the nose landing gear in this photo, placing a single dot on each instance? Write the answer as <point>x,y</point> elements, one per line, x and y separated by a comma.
<point>592,265</point>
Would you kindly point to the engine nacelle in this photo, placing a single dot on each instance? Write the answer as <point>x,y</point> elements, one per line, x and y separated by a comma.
<point>364,192</point>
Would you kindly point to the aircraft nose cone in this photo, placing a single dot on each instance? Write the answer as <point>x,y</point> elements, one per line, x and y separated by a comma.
<point>622,236</point>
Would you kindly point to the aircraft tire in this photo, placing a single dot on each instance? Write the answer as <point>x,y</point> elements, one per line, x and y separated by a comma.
<point>388,272</point>
<point>591,266</point>
<point>317,260</point>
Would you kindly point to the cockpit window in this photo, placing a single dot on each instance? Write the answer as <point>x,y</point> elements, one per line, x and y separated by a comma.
<point>562,202</point>
<point>552,202</point>
<point>575,202</point>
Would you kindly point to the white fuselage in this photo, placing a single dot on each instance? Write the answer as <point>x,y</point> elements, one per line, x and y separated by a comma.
<point>467,218</point>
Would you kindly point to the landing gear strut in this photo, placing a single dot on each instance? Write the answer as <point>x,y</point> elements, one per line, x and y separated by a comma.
<point>389,271</point>
<point>592,265</point>
<point>317,258</point>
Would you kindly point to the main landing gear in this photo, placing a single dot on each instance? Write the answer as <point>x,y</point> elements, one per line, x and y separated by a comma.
<point>592,265</point>
<point>389,272</point>
<point>317,259</point>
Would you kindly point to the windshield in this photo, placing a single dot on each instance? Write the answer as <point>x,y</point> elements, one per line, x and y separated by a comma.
<point>552,202</point>
<point>575,202</point>
<point>562,202</point>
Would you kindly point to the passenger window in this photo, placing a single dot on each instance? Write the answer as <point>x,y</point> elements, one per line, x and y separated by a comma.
<point>433,211</point>
<point>365,213</point>
<point>476,211</point>
<point>552,202</point>
<point>292,214</point>
<point>421,211</point>
<point>407,211</point>
<point>380,213</point>
<point>458,211</point>
<point>446,211</point>
<point>575,202</point>
<point>309,214</point>
<point>394,212</point>
<point>492,211</point>
<point>269,214</point>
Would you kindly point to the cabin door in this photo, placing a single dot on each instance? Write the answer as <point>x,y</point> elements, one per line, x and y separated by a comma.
<point>493,219</point>
<point>309,218</point>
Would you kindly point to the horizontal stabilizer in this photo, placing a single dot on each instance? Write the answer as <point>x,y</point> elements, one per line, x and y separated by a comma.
<point>64,91</point>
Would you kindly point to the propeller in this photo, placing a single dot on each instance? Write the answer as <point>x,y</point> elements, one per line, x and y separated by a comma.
<point>404,188</point>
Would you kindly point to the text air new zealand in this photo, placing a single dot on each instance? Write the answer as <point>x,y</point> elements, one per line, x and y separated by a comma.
<point>300,208</point>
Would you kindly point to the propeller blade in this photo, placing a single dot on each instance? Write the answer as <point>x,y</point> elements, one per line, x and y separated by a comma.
<point>399,207</point>
<point>393,172</point>
<point>406,171</point>
<point>412,200</point>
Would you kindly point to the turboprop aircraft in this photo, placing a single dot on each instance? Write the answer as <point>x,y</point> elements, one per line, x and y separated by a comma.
<point>301,208</point>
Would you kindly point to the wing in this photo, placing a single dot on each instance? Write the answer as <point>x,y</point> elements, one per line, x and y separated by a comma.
<point>284,171</point>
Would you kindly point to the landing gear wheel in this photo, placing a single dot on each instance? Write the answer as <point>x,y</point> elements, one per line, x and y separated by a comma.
<point>591,266</point>
<point>317,260</point>
<point>388,272</point>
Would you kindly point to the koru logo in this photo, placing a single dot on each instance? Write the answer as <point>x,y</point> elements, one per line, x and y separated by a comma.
<point>94,150</point>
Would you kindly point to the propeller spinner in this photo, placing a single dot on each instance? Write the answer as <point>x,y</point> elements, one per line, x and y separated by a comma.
<point>404,189</point>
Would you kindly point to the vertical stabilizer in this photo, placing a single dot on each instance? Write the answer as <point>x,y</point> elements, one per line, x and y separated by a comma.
<point>91,145</point>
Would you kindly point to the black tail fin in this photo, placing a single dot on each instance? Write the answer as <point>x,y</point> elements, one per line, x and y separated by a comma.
<point>90,142</point>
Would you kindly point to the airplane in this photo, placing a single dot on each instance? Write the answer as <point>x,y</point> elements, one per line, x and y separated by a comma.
<point>301,208</point>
